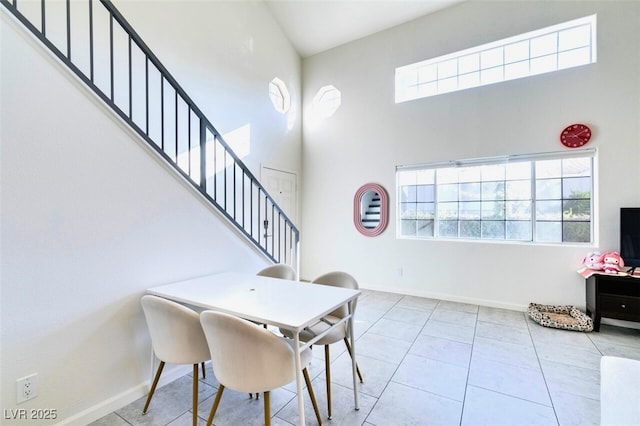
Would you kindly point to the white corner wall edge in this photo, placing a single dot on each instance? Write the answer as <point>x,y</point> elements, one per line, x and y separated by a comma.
<point>116,402</point>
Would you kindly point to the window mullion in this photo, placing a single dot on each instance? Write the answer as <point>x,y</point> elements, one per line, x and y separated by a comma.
<point>404,74</point>
<point>534,199</point>
<point>536,177</point>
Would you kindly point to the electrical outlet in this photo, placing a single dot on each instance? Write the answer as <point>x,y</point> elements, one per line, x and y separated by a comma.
<point>27,387</point>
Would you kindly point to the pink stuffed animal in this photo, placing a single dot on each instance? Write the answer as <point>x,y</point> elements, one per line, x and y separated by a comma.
<point>612,262</point>
<point>594,260</point>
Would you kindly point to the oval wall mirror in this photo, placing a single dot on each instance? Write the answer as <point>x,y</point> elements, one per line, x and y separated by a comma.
<point>371,209</point>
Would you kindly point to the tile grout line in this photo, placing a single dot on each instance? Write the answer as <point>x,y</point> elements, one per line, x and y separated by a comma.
<point>466,386</point>
<point>544,376</point>
<point>538,341</point>
<point>394,372</point>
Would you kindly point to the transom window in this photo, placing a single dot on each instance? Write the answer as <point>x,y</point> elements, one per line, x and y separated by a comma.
<point>554,48</point>
<point>537,198</point>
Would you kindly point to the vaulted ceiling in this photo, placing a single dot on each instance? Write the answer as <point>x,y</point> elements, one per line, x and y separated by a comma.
<point>314,26</point>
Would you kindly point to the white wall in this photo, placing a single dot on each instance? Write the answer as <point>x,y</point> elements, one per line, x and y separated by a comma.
<point>90,217</point>
<point>224,54</point>
<point>369,135</point>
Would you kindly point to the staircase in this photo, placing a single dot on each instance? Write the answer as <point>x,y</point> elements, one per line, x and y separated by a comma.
<point>99,46</point>
<point>371,214</point>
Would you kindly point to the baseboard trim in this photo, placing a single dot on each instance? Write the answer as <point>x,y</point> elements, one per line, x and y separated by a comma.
<point>451,298</point>
<point>120,400</point>
<point>490,304</point>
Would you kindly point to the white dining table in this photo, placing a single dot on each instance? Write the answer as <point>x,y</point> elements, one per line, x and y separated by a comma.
<point>291,305</point>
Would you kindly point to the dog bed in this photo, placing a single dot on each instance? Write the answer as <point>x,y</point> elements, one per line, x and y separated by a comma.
<point>565,317</point>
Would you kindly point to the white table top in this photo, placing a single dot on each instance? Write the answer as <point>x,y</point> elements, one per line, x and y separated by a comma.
<point>283,303</point>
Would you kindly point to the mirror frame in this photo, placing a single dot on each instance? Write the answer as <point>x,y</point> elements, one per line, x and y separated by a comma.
<point>384,209</point>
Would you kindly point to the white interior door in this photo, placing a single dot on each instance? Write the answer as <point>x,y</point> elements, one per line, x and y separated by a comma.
<point>282,186</point>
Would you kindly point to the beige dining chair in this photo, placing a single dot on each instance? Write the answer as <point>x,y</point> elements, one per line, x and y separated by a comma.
<point>247,358</point>
<point>177,338</point>
<point>279,270</point>
<point>335,279</point>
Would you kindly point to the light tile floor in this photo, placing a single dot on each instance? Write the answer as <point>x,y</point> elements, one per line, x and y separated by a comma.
<point>427,362</point>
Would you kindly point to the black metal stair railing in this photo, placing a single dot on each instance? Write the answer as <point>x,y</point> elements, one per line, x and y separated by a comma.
<point>95,41</point>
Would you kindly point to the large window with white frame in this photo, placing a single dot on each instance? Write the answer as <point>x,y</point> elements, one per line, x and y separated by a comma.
<point>542,198</point>
<point>566,45</point>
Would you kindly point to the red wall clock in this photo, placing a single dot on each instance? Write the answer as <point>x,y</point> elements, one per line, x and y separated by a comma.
<point>575,135</point>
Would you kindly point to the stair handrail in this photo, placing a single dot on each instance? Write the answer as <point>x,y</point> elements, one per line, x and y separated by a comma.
<point>285,248</point>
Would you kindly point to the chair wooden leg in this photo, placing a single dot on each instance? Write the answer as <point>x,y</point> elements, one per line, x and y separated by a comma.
<point>312,395</point>
<point>195,395</point>
<point>346,342</point>
<point>214,407</point>
<point>153,387</point>
<point>204,373</point>
<point>327,370</point>
<point>267,409</point>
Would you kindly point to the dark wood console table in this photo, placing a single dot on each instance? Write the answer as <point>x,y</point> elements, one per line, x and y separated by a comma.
<point>613,296</point>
